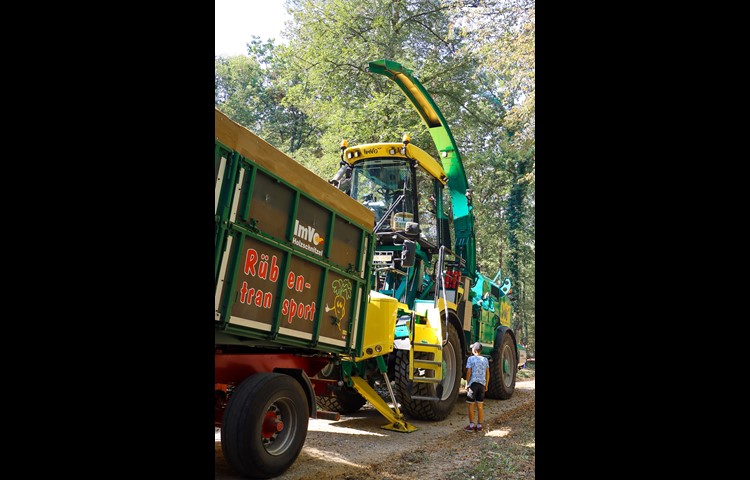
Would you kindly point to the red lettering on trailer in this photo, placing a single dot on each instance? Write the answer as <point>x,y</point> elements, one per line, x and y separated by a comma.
<point>274,270</point>
<point>262,266</point>
<point>296,282</point>
<point>290,308</point>
<point>259,298</point>
<point>310,311</point>
<point>248,294</point>
<point>243,292</point>
<point>250,260</point>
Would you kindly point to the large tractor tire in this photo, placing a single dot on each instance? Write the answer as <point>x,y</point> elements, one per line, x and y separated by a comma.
<point>346,400</point>
<point>446,391</point>
<point>503,369</point>
<point>265,425</point>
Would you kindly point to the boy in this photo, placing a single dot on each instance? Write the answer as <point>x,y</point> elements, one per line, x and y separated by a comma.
<point>477,379</point>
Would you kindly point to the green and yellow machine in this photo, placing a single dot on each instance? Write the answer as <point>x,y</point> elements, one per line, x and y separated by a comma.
<point>425,257</point>
<point>332,294</point>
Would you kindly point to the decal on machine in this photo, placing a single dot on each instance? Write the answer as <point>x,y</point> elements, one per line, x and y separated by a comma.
<point>266,267</point>
<point>307,237</point>
<point>505,314</point>
<point>343,291</point>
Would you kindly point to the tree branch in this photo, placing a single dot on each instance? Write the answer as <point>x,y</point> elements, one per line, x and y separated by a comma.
<point>450,47</point>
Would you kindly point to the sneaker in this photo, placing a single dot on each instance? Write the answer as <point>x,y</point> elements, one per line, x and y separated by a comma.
<point>470,427</point>
<point>479,427</point>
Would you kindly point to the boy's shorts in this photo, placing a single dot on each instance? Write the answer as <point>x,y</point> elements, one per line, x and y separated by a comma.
<point>478,390</point>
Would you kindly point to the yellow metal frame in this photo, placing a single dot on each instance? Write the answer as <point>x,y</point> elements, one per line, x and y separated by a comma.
<point>357,153</point>
<point>428,338</point>
<point>396,419</point>
<point>380,326</point>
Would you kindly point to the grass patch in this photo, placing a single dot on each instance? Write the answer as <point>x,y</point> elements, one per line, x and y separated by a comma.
<point>510,457</point>
<point>525,374</point>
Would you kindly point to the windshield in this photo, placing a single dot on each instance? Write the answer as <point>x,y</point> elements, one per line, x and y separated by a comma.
<point>377,183</point>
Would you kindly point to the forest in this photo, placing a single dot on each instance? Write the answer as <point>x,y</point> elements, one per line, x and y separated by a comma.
<point>476,59</point>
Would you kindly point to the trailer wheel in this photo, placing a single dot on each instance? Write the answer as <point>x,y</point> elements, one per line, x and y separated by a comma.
<point>447,394</point>
<point>503,370</point>
<point>346,400</point>
<point>265,425</point>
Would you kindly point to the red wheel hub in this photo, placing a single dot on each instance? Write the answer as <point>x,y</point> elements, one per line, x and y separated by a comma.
<point>272,424</point>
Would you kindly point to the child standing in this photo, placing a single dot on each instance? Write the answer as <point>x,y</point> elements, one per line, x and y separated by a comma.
<point>477,379</point>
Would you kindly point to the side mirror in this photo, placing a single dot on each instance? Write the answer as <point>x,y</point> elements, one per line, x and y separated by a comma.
<point>344,172</point>
<point>412,229</point>
<point>408,254</point>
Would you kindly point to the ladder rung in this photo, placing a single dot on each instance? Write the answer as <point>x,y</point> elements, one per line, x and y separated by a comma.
<point>427,380</point>
<point>420,397</point>
<point>430,345</point>
<point>426,364</point>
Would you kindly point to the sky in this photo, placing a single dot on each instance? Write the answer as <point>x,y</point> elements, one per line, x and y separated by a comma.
<point>236,20</point>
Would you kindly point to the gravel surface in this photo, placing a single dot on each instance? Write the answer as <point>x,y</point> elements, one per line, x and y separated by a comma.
<point>356,448</point>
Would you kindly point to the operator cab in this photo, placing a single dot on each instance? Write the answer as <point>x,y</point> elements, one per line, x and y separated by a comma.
<point>399,183</point>
<point>381,182</point>
<point>405,188</point>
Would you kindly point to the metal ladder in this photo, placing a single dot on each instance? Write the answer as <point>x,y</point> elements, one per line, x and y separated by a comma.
<point>436,346</point>
<point>435,365</point>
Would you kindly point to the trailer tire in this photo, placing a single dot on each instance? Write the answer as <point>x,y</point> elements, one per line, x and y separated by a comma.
<point>346,400</point>
<point>503,370</point>
<point>265,425</point>
<point>430,409</point>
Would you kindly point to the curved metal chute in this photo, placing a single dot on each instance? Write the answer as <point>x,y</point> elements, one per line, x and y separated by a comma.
<point>463,217</point>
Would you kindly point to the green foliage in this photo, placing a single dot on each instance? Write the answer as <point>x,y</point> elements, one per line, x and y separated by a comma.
<point>253,91</point>
<point>238,90</point>
<point>500,36</point>
<point>475,58</point>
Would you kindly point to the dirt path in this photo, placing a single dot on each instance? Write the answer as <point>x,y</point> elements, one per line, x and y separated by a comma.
<point>356,448</point>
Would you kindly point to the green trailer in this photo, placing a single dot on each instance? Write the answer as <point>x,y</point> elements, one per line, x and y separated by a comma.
<point>293,257</point>
<point>292,253</point>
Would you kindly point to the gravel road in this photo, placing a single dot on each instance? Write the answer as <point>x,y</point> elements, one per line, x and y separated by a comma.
<point>356,448</point>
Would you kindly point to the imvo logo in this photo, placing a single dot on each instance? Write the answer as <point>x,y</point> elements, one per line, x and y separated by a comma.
<point>369,151</point>
<point>309,235</point>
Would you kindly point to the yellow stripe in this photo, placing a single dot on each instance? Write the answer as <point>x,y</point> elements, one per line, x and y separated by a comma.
<point>420,98</point>
<point>382,150</point>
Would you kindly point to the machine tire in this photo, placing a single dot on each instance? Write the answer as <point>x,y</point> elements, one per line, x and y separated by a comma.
<point>429,409</point>
<point>503,368</point>
<point>251,438</point>
<point>346,400</point>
